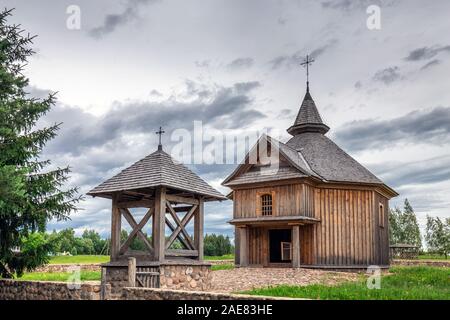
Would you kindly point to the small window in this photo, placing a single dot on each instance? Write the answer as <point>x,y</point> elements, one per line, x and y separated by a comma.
<point>286,251</point>
<point>381,215</point>
<point>266,204</point>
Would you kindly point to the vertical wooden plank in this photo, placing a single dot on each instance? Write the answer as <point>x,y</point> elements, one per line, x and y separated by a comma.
<point>159,223</point>
<point>198,228</point>
<point>316,227</point>
<point>352,228</point>
<point>116,226</point>
<point>236,246</point>
<point>243,250</point>
<point>359,229</point>
<point>132,272</point>
<point>347,230</point>
<point>368,228</point>
<point>340,226</point>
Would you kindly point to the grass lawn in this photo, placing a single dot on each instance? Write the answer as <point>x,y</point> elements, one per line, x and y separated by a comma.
<point>222,267</point>
<point>405,283</point>
<point>86,259</point>
<point>224,257</point>
<point>60,276</point>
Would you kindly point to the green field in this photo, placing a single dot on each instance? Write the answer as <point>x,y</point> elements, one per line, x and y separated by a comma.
<point>83,259</point>
<point>60,276</point>
<point>222,267</point>
<point>405,283</point>
<point>224,257</point>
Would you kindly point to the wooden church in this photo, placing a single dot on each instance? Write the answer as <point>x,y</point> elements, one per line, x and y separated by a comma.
<point>320,208</point>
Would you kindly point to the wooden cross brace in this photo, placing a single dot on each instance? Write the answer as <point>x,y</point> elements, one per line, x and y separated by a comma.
<point>181,227</point>
<point>137,229</point>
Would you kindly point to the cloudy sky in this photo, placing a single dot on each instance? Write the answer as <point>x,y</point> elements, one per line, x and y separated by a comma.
<point>134,65</point>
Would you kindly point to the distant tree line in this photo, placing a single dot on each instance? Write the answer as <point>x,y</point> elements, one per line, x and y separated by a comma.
<point>404,229</point>
<point>91,242</point>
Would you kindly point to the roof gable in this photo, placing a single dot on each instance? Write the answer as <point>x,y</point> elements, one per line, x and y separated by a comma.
<point>289,164</point>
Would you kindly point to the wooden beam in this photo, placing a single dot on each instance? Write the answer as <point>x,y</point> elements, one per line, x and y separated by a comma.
<point>243,246</point>
<point>179,199</point>
<point>180,209</point>
<point>132,272</point>
<point>198,229</point>
<point>115,228</point>
<point>127,215</point>
<point>182,253</point>
<point>136,204</point>
<point>181,224</point>
<point>135,231</point>
<point>182,240</point>
<point>296,246</point>
<point>159,224</point>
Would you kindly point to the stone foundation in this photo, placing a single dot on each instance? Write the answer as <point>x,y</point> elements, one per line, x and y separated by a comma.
<point>185,277</point>
<point>172,275</point>
<point>46,290</point>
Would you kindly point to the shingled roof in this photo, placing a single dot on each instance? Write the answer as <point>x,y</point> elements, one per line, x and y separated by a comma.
<point>308,118</point>
<point>313,154</point>
<point>156,170</point>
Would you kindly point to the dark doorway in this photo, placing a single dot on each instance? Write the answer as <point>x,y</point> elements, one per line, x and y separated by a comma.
<point>276,237</point>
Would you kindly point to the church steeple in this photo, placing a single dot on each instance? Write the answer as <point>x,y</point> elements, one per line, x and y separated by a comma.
<point>308,118</point>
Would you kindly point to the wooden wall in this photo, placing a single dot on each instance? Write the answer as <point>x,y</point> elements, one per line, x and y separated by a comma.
<point>289,200</point>
<point>348,233</point>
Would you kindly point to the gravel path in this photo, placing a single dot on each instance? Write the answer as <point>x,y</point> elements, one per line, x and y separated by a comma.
<point>240,279</point>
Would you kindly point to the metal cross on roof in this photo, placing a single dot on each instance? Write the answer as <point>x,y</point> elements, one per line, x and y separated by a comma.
<point>160,133</point>
<point>306,64</point>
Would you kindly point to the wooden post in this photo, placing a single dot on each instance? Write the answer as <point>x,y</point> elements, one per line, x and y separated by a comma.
<point>243,246</point>
<point>116,227</point>
<point>296,246</point>
<point>198,229</point>
<point>159,224</point>
<point>132,272</point>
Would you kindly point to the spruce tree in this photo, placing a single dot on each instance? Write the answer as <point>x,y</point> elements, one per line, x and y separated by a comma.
<point>30,195</point>
<point>410,226</point>
<point>403,226</point>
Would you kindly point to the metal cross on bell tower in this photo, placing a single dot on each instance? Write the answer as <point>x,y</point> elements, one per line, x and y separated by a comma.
<point>306,64</point>
<point>160,133</point>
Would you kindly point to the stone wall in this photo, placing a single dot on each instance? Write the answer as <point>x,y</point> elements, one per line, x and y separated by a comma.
<point>431,263</point>
<point>68,267</point>
<point>167,294</point>
<point>116,277</point>
<point>175,276</point>
<point>182,277</point>
<point>45,290</point>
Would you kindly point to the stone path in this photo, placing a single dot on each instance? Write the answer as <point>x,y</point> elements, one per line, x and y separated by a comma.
<point>240,279</point>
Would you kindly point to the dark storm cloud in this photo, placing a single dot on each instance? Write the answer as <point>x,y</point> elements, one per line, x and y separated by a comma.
<point>114,20</point>
<point>429,126</point>
<point>221,107</point>
<point>297,57</point>
<point>418,172</point>
<point>240,63</point>
<point>387,75</point>
<point>426,53</point>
